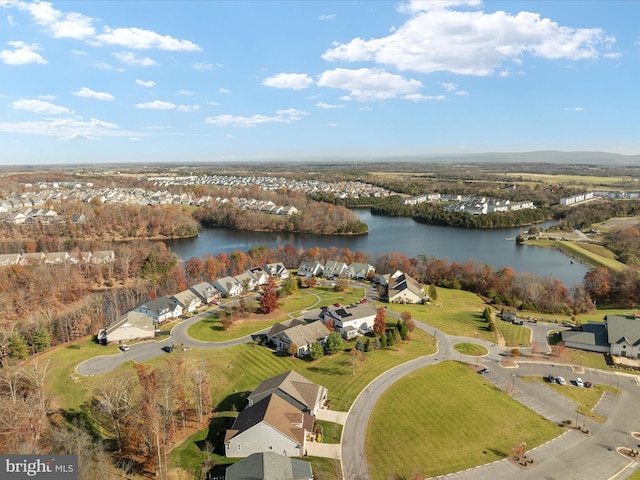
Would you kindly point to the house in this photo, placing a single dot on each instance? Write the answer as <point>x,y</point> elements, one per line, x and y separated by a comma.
<point>131,325</point>
<point>160,309</point>
<point>401,288</point>
<point>277,270</point>
<point>303,394</point>
<point>260,274</point>
<point>78,218</point>
<point>9,259</point>
<point>269,425</point>
<point>247,280</point>
<point>618,335</point>
<point>269,466</point>
<point>310,269</point>
<point>77,258</point>
<point>57,258</point>
<point>351,321</point>
<point>207,292</point>
<point>334,269</point>
<point>103,256</point>
<point>509,316</point>
<point>228,286</point>
<point>360,271</point>
<point>302,336</point>
<point>188,299</point>
<point>32,258</point>
<point>282,326</point>
<point>288,210</point>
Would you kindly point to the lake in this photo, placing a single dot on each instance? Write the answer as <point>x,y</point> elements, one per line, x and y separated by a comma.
<point>402,234</point>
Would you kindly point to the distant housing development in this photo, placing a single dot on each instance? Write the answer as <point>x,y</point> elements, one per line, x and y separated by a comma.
<point>471,204</point>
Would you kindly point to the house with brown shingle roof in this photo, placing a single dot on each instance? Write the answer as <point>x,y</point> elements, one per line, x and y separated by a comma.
<point>270,425</point>
<point>302,335</point>
<point>295,389</point>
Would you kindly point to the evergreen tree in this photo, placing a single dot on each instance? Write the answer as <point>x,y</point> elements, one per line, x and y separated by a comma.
<point>41,338</point>
<point>383,340</point>
<point>433,292</point>
<point>391,338</point>
<point>487,314</point>
<point>18,346</point>
<point>316,351</point>
<point>334,343</point>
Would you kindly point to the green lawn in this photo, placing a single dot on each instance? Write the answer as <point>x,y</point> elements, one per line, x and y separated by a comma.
<point>514,335</point>
<point>453,420</point>
<point>589,255</point>
<point>470,349</point>
<point>331,432</point>
<point>455,312</point>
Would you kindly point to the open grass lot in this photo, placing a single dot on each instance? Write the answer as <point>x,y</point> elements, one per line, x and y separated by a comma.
<point>211,330</point>
<point>513,335</point>
<point>431,436</point>
<point>588,255</point>
<point>574,179</point>
<point>617,222</point>
<point>456,312</point>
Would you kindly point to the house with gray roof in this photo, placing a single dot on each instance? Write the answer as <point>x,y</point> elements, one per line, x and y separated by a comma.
<point>9,259</point>
<point>207,292</point>
<point>310,269</point>
<point>360,271</point>
<point>277,270</point>
<point>228,286</point>
<point>270,425</point>
<point>618,335</point>
<point>295,389</point>
<point>160,309</point>
<point>301,335</point>
<point>188,299</point>
<point>269,466</point>
<point>333,269</point>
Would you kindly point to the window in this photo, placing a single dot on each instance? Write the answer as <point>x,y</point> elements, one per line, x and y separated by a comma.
<point>239,447</point>
<point>270,447</point>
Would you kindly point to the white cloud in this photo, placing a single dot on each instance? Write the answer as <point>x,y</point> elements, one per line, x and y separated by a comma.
<point>88,93</point>
<point>160,105</point>
<point>282,116</point>
<point>418,97</point>
<point>327,105</point>
<point>184,92</point>
<point>327,18</point>
<point>574,109</point>
<point>148,83</point>
<point>66,129</point>
<point>140,39</point>
<point>59,24</point>
<point>132,59</point>
<point>437,38</point>
<point>294,81</point>
<point>10,20</point>
<point>224,90</point>
<point>107,67</point>
<point>449,87</point>
<point>461,92</point>
<point>79,52</point>
<point>213,104</point>
<point>332,124</point>
<point>22,54</point>
<point>39,106</point>
<point>367,84</point>
<point>203,67</point>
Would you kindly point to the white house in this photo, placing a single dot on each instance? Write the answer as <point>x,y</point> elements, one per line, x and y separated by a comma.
<point>260,274</point>
<point>130,326</point>
<point>310,269</point>
<point>351,321</point>
<point>401,288</point>
<point>160,309</point>
<point>277,270</point>
<point>228,286</point>
<point>188,299</point>
<point>333,269</point>
<point>207,292</point>
<point>270,425</point>
<point>618,335</point>
<point>360,271</point>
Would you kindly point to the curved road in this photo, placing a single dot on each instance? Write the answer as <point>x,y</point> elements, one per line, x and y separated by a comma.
<point>572,454</point>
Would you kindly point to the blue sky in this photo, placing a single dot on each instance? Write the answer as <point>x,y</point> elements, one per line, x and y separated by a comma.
<point>127,81</point>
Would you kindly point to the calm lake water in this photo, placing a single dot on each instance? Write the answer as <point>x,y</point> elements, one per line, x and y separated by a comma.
<point>401,234</point>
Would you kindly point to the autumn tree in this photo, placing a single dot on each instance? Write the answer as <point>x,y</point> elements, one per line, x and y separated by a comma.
<point>201,388</point>
<point>292,349</point>
<point>408,321</point>
<point>269,298</point>
<point>379,323</point>
<point>227,322</point>
<point>310,282</point>
<point>356,359</point>
<point>433,292</point>
<point>290,285</point>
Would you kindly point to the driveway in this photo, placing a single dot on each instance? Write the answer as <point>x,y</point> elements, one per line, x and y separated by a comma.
<point>332,416</point>
<point>325,450</point>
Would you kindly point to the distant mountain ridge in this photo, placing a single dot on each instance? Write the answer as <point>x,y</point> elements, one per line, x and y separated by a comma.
<point>542,156</point>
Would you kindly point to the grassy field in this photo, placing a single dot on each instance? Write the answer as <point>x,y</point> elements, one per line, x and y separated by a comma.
<point>431,437</point>
<point>455,312</point>
<point>514,335</point>
<point>592,256</point>
<point>574,179</point>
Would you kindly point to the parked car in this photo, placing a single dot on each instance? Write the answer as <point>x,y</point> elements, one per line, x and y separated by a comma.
<point>484,371</point>
<point>588,384</point>
<point>167,348</point>
<point>579,382</point>
<point>550,379</point>
<point>561,381</point>
<point>124,348</point>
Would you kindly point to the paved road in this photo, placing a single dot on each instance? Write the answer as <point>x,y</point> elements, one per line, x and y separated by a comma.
<point>573,455</point>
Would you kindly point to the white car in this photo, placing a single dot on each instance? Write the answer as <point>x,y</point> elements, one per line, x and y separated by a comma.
<point>561,381</point>
<point>579,382</point>
<point>124,348</point>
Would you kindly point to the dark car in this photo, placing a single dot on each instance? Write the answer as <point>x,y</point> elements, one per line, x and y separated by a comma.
<point>484,371</point>
<point>550,379</point>
<point>167,348</point>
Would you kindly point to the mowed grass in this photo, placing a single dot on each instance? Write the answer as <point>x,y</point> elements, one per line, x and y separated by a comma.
<point>455,312</point>
<point>514,335</point>
<point>470,349</point>
<point>449,419</point>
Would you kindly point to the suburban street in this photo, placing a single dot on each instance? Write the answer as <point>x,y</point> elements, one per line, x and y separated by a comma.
<point>571,455</point>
